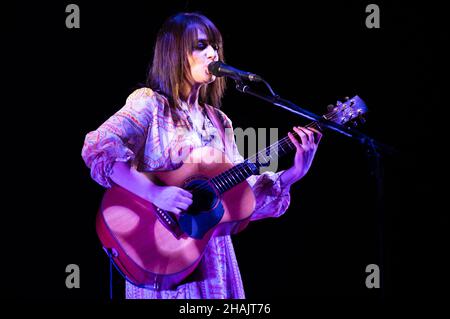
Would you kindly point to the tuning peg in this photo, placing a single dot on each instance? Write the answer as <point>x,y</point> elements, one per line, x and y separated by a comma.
<point>330,107</point>
<point>346,98</point>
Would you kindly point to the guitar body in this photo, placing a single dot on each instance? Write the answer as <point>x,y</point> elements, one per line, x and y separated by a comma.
<point>149,250</point>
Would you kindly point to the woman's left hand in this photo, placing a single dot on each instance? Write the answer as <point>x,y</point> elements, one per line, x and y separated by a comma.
<point>306,146</point>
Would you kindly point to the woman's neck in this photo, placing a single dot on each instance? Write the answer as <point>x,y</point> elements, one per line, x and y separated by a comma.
<point>191,94</point>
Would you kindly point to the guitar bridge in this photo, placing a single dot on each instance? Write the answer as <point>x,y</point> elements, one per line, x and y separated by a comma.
<point>169,221</point>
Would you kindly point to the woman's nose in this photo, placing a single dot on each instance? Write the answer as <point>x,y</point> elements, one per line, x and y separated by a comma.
<point>211,53</point>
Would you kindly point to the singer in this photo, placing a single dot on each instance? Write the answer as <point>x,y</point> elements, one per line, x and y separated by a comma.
<point>179,108</point>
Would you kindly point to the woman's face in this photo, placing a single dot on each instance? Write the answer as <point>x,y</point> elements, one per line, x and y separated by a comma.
<point>203,54</point>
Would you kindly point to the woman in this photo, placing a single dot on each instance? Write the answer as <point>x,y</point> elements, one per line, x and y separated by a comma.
<point>170,115</point>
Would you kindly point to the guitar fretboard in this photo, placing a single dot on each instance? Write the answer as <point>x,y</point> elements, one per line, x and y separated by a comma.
<point>250,166</point>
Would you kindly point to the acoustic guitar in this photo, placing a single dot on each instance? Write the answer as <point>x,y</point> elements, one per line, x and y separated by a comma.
<point>155,249</point>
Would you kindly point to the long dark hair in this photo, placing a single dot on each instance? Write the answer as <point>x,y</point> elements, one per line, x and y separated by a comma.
<point>170,67</point>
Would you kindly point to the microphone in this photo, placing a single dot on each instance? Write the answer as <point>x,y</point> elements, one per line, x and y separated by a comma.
<point>219,68</point>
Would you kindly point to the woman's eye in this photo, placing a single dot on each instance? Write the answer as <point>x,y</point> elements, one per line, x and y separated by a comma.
<point>201,45</point>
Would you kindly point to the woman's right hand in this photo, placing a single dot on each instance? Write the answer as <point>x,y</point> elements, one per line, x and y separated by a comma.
<point>170,198</point>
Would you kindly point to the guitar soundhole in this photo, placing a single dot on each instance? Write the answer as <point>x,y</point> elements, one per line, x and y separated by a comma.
<point>205,212</point>
<point>204,196</point>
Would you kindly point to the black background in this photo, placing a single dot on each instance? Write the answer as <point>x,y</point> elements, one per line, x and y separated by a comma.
<point>66,82</point>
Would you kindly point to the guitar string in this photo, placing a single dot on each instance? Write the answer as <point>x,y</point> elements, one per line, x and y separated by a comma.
<point>283,142</point>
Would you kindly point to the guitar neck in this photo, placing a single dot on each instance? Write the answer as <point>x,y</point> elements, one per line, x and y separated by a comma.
<point>350,111</point>
<point>237,174</point>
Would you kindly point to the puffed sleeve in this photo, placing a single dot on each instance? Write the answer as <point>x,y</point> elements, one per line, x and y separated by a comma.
<point>272,200</point>
<point>120,138</point>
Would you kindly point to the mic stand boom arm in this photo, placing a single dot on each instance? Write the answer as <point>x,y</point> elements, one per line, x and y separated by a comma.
<point>345,130</point>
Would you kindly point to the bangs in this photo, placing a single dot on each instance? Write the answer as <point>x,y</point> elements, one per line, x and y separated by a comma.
<point>191,35</point>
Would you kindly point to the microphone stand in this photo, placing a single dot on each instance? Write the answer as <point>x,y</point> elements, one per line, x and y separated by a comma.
<point>373,148</point>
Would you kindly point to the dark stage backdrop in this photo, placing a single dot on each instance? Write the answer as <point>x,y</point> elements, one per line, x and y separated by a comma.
<point>66,82</point>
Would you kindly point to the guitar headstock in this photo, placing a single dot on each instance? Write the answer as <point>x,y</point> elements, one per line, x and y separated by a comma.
<point>351,111</point>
